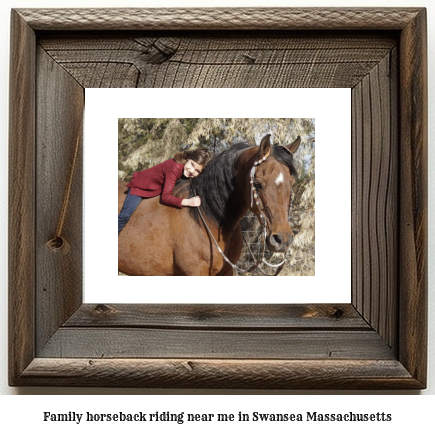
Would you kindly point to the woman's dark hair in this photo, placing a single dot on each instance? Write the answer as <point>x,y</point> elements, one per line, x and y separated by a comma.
<point>200,156</point>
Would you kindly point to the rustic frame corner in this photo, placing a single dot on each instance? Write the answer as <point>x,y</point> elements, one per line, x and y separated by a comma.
<point>377,341</point>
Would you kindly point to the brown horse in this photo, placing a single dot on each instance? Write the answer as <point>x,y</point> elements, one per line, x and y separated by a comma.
<point>161,240</point>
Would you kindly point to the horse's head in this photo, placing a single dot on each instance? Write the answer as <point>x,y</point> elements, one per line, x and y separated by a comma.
<point>273,181</point>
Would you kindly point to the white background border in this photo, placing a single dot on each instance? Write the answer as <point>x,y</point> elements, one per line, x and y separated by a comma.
<point>331,109</point>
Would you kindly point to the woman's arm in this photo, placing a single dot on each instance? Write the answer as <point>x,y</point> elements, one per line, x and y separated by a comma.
<point>171,178</point>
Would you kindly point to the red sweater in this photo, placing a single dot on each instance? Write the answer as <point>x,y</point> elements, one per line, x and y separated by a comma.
<point>158,180</point>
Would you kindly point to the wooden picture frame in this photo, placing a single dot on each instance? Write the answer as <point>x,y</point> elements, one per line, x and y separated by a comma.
<point>377,341</point>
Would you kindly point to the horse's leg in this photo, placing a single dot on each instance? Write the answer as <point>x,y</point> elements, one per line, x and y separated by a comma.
<point>234,252</point>
<point>191,264</point>
<point>227,270</point>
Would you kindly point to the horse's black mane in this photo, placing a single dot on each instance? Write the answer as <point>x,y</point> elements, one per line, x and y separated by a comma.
<point>215,186</point>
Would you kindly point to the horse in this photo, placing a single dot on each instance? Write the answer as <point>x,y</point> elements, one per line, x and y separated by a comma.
<point>161,240</point>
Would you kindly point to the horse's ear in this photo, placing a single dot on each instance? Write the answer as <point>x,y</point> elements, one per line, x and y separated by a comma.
<point>293,147</point>
<point>265,147</point>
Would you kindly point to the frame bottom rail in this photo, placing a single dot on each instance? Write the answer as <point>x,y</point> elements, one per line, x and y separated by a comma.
<point>206,373</point>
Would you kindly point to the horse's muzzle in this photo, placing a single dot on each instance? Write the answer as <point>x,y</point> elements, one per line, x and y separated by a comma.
<point>279,243</point>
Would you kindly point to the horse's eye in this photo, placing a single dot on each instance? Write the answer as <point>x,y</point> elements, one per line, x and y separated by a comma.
<point>258,186</point>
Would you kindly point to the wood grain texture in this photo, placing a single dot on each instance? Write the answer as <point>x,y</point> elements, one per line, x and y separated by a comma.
<point>236,60</point>
<point>21,197</point>
<point>378,342</point>
<point>357,222</point>
<point>95,342</point>
<point>229,374</point>
<point>375,199</point>
<point>220,317</point>
<point>388,324</point>
<point>220,18</point>
<point>60,105</point>
<point>413,187</point>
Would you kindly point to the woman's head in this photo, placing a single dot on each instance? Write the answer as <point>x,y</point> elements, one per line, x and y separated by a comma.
<point>194,161</point>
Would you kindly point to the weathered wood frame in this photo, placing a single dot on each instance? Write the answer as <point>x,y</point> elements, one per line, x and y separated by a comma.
<point>377,341</point>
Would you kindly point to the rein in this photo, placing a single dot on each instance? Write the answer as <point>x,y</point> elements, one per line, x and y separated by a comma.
<point>262,220</point>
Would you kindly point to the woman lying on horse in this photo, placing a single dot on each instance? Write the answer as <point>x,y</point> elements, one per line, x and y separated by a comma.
<point>160,181</point>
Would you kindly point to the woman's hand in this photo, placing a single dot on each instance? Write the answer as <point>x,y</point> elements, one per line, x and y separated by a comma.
<point>193,202</point>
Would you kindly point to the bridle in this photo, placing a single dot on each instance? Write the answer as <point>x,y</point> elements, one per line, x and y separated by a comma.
<point>262,220</point>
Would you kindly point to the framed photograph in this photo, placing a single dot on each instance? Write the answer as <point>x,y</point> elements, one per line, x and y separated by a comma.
<point>134,140</point>
<point>61,337</point>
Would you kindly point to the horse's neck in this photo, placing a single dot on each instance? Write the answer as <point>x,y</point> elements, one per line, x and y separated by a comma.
<point>224,201</point>
<point>240,206</point>
<point>233,218</point>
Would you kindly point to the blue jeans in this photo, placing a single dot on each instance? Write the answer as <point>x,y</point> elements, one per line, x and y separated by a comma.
<point>130,204</point>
